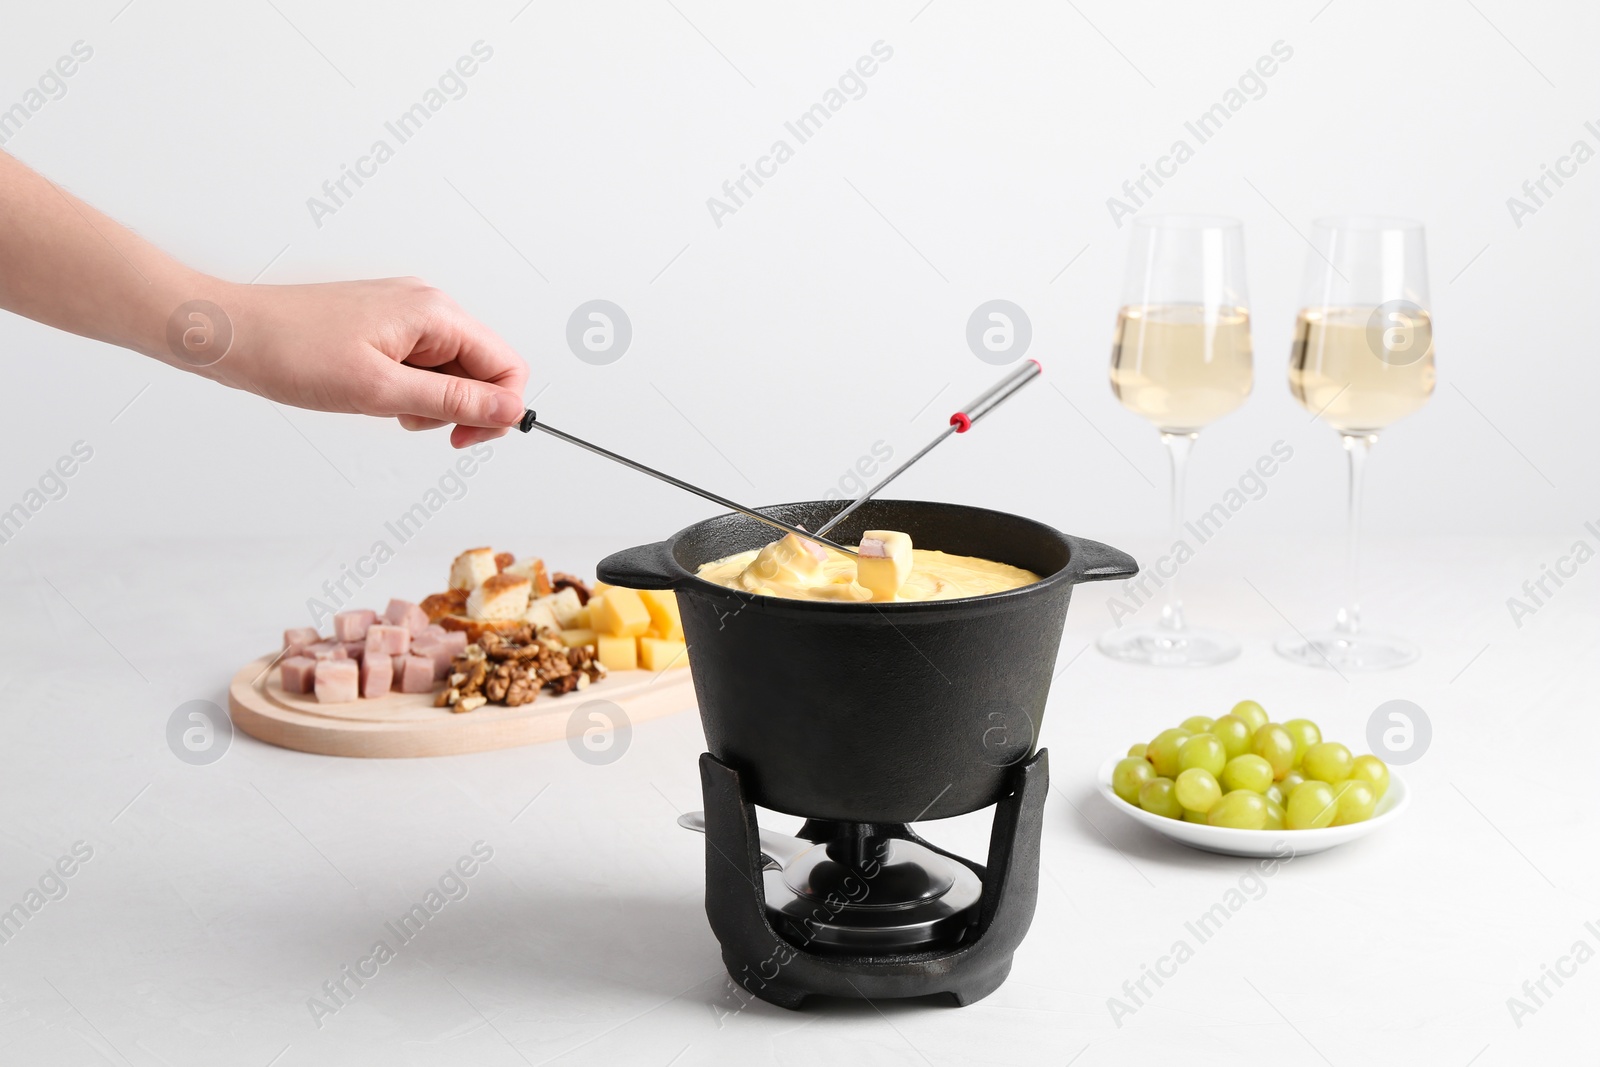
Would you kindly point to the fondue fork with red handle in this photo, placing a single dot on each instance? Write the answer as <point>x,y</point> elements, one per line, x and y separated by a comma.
<point>960,422</point>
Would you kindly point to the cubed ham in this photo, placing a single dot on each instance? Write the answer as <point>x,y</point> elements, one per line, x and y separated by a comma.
<point>377,675</point>
<point>337,681</point>
<point>297,674</point>
<point>397,668</point>
<point>355,649</point>
<point>417,675</point>
<point>388,640</point>
<point>352,625</point>
<point>433,629</point>
<point>405,614</point>
<point>301,636</point>
<point>455,641</point>
<point>436,650</point>
<point>325,650</point>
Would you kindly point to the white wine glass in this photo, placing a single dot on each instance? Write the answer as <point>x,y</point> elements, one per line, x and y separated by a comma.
<point>1362,358</point>
<point>1181,359</point>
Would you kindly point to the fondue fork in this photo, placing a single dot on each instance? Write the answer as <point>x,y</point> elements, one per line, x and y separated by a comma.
<point>530,421</point>
<point>960,422</point>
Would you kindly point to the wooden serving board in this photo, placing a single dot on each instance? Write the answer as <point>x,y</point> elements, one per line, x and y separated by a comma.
<point>407,724</point>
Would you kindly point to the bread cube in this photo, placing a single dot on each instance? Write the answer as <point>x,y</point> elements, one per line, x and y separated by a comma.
<point>503,596</point>
<point>532,569</point>
<point>619,613</point>
<point>336,681</point>
<point>658,654</point>
<point>565,605</point>
<point>662,604</point>
<point>617,653</point>
<point>377,675</point>
<point>472,568</point>
<point>297,674</point>
<point>541,616</point>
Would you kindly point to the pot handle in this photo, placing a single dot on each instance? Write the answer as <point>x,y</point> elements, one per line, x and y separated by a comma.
<point>1092,561</point>
<point>644,567</point>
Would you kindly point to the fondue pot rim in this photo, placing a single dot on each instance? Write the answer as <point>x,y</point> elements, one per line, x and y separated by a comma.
<point>656,566</point>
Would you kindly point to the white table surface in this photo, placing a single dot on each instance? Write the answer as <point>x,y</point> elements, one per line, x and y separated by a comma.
<point>219,898</point>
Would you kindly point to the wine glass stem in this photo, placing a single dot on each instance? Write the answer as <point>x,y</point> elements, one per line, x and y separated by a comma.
<point>1178,448</point>
<point>1356,448</point>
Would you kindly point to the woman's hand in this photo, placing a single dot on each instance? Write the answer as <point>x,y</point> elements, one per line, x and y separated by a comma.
<point>393,347</point>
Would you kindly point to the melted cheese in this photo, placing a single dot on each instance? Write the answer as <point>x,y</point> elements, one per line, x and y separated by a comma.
<point>934,576</point>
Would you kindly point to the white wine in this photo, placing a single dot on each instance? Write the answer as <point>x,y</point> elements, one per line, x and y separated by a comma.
<point>1182,366</point>
<point>1359,376</point>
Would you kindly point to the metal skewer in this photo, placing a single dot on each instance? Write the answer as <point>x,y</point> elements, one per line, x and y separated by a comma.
<point>960,422</point>
<point>530,421</point>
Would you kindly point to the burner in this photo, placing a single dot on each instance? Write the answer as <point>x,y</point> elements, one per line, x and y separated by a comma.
<point>863,893</point>
<point>867,910</point>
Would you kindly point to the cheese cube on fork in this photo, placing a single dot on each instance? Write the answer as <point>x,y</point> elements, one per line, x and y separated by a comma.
<point>883,562</point>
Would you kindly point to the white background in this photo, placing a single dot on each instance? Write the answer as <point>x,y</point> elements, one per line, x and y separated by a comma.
<point>768,355</point>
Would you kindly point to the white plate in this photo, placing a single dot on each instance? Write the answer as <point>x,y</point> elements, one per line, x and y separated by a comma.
<point>1262,844</point>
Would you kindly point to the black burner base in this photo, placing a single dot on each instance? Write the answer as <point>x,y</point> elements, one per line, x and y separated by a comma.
<point>783,972</point>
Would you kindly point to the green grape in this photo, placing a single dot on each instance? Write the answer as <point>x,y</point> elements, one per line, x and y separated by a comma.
<point>1254,715</point>
<point>1311,807</point>
<point>1158,798</point>
<point>1162,752</point>
<point>1273,744</point>
<point>1205,751</point>
<point>1243,810</point>
<point>1137,750</point>
<point>1197,724</point>
<point>1355,800</point>
<point>1290,782</point>
<point>1247,772</point>
<point>1197,789</point>
<point>1328,761</point>
<point>1129,776</point>
<point>1372,770</point>
<point>1305,734</point>
<point>1274,815</point>
<point>1275,793</point>
<point>1234,733</point>
<point>1194,816</point>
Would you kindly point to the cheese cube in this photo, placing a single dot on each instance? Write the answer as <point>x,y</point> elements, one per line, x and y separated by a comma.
<point>884,562</point>
<point>658,654</point>
<point>582,619</point>
<point>617,653</point>
<point>662,604</point>
<point>619,613</point>
<point>574,638</point>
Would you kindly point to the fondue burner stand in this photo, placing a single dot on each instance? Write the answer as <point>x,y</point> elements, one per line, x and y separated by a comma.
<point>867,910</point>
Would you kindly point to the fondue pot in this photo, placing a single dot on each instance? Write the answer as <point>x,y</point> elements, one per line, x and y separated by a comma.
<point>873,712</point>
<point>863,718</point>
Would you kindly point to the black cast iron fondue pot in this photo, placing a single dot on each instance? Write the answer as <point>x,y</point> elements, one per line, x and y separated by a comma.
<point>865,712</point>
